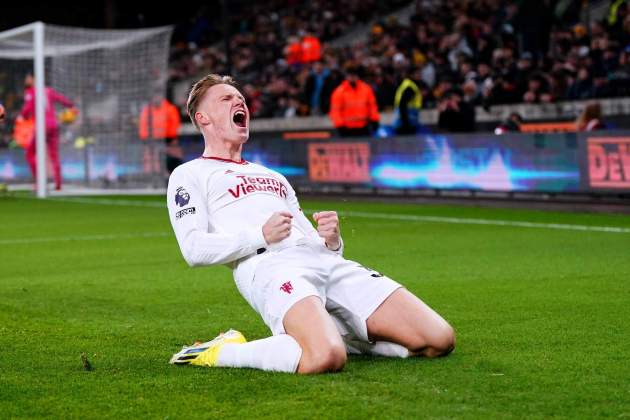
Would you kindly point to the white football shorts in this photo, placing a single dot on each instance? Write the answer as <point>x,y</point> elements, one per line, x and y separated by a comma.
<point>349,291</point>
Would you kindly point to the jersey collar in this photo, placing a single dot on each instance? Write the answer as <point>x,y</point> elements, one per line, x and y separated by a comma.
<point>240,162</point>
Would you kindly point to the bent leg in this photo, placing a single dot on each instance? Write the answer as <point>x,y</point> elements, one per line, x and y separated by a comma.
<point>287,291</point>
<point>404,319</point>
<point>311,344</point>
<point>312,327</point>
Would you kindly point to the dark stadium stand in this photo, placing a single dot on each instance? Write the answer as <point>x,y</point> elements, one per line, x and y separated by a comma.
<point>493,52</point>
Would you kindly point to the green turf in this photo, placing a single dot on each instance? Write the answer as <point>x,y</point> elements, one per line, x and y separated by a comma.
<point>542,318</point>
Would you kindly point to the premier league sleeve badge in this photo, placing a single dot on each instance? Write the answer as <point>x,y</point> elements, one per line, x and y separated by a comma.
<point>181,197</point>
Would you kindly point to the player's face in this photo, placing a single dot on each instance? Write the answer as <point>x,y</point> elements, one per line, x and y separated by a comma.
<point>227,113</point>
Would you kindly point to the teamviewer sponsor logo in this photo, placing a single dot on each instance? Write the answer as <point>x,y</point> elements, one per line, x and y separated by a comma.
<point>182,213</point>
<point>251,184</point>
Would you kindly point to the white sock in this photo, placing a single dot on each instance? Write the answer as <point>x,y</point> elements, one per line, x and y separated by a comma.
<point>279,353</point>
<point>387,349</point>
<point>378,348</point>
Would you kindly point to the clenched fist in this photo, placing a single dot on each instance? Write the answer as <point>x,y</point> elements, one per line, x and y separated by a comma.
<point>328,228</point>
<point>278,227</point>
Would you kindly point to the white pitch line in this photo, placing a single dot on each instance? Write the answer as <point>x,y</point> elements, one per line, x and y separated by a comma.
<point>18,241</point>
<point>469,221</point>
<point>389,216</point>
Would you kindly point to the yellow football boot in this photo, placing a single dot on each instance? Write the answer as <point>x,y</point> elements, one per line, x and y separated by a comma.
<point>206,354</point>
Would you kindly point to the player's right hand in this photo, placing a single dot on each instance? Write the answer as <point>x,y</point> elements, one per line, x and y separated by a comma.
<point>278,227</point>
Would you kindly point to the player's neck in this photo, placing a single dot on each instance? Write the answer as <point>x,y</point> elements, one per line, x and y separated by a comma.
<point>224,150</point>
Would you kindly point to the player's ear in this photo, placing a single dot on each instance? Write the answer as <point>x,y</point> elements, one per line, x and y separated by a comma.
<point>202,118</point>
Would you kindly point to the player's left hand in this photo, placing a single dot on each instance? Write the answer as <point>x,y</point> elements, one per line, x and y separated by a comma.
<point>1,112</point>
<point>328,228</point>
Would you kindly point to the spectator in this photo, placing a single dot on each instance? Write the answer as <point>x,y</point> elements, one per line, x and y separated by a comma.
<point>314,87</point>
<point>483,79</point>
<point>591,118</point>
<point>407,104</point>
<point>620,78</point>
<point>385,85</point>
<point>334,79</point>
<point>503,91</point>
<point>455,115</point>
<point>537,90</point>
<point>582,87</point>
<point>524,68</point>
<point>353,109</point>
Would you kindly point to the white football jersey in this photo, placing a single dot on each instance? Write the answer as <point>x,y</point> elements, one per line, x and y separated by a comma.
<point>218,207</point>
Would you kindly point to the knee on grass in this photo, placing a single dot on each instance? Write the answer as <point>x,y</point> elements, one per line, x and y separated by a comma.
<point>326,358</point>
<point>439,342</point>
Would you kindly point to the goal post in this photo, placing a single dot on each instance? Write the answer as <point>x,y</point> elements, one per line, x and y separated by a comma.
<point>109,75</point>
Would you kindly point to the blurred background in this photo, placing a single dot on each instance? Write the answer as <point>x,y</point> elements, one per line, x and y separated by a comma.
<point>376,97</point>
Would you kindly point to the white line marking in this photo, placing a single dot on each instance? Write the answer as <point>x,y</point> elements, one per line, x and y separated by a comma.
<point>468,221</point>
<point>83,238</point>
<point>388,216</point>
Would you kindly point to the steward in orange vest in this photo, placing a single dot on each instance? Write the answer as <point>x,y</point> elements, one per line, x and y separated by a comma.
<point>159,120</point>
<point>353,109</point>
<point>293,51</point>
<point>311,49</point>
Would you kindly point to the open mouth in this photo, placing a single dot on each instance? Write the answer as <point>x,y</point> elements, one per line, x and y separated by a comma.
<point>240,119</point>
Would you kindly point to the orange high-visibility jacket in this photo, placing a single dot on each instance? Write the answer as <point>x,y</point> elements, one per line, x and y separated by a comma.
<point>165,121</point>
<point>294,53</point>
<point>353,108</point>
<point>23,131</point>
<point>311,49</point>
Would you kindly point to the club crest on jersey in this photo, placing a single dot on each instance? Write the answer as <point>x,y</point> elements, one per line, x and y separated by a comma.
<point>287,287</point>
<point>181,197</point>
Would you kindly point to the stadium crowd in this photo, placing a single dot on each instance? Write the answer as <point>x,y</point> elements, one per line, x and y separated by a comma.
<point>487,52</point>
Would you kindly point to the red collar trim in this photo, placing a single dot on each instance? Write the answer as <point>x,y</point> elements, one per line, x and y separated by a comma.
<point>240,162</point>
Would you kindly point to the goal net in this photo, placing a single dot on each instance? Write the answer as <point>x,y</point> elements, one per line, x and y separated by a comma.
<point>109,75</point>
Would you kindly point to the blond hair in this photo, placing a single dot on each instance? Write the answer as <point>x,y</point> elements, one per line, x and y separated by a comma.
<point>200,88</point>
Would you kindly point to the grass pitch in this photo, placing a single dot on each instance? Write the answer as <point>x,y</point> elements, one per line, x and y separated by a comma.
<point>542,316</point>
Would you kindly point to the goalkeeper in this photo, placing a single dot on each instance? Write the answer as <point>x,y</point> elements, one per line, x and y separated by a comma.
<point>318,305</point>
<point>52,129</point>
